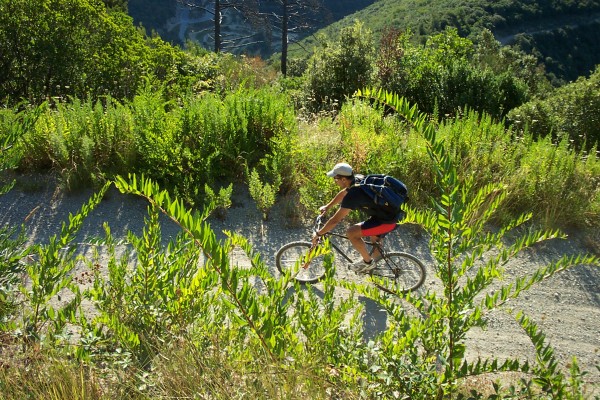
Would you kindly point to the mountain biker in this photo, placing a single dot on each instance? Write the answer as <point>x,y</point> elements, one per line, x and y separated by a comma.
<point>351,197</point>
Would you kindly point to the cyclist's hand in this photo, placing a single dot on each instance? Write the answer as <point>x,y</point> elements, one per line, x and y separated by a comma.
<point>315,239</point>
<point>323,209</point>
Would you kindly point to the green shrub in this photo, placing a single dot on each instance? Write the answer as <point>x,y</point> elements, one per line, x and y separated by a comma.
<point>219,201</point>
<point>434,337</point>
<point>217,139</point>
<point>263,193</point>
<point>12,252</point>
<point>447,74</point>
<point>558,184</point>
<point>338,69</point>
<point>572,112</point>
<point>85,142</point>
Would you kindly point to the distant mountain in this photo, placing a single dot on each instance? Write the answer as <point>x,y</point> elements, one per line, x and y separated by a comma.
<point>563,34</point>
<point>177,23</point>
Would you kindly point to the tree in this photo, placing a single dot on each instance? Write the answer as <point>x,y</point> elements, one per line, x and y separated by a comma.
<point>291,18</point>
<point>284,20</point>
<point>449,73</point>
<point>119,5</point>
<point>58,48</point>
<point>229,37</point>
<point>77,48</point>
<point>339,68</point>
<point>571,112</point>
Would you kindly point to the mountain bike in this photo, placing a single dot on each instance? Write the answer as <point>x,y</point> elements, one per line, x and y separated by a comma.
<point>397,271</point>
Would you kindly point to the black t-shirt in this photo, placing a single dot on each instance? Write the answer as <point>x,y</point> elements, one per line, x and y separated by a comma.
<point>357,199</point>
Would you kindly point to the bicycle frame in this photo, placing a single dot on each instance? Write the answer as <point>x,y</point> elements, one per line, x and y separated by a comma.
<point>402,270</point>
<point>374,245</point>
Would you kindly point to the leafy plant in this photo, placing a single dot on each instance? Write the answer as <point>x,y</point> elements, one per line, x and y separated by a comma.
<point>12,244</point>
<point>338,68</point>
<point>457,224</point>
<point>263,193</point>
<point>14,125</point>
<point>219,201</point>
<point>49,277</point>
<point>12,252</point>
<point>168,292</point>
<point>570,113</point>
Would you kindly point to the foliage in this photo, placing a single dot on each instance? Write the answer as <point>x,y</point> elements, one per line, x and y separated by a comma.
<point>183,371</point>
<point>339,68</point>
<point>12,241</point>
<point>12,252</point>
<point>220,200</point>
<point>216,139</point>
<point>190,291</point>
<point>559,173</point>
<point>570,113</point>
<point>49,277</point>
<point>263,193</point>
<point>56,49</point>
<point>161,308</point>
<point>556,25</point>
<point>457,223</point>
<point>442,76</point>
<point>85,141</point>
<point>539,176</point>
<point>119,5</point>
<point>52,378</point>
<point>14,124</point>
<point>564,62</point>
<point>59,48</point>
<point>205,140</point>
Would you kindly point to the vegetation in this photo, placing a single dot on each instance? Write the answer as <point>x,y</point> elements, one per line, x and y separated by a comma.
<point>546,30</point>
<point>142,319</point>
<point>569,113</point>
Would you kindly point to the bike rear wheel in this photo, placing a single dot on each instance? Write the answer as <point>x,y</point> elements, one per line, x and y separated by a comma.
<point>293,257</point>
<point>399,273</point>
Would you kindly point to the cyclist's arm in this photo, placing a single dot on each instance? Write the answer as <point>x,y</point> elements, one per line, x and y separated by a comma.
<point>336,200</point>
<point>339,215</point>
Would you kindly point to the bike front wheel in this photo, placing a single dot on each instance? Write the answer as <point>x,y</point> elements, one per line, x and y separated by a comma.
<point>399,273</point>
<point>295,257</point>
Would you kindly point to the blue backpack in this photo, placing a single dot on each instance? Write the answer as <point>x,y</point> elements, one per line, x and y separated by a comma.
<point>385,190</point>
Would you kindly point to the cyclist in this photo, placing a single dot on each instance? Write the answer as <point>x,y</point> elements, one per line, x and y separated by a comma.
<point>351,197</point>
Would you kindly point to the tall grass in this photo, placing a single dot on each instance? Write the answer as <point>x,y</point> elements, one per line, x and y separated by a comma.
<point>560,186</point>
<point>540,176</point>
<point>214,140</point>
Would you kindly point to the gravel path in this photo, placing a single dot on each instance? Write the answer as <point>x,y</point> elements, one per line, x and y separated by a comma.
<point>566,307</point>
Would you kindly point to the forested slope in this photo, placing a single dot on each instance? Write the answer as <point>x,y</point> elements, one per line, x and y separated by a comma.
<point>562,34</point>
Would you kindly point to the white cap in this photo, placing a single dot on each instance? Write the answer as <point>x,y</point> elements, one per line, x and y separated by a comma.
<point>342,169</point>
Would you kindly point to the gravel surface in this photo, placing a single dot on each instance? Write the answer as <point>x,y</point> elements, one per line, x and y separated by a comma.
<point>566,307</point>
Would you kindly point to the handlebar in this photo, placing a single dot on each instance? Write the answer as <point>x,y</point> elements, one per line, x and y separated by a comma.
<point>318,223</point>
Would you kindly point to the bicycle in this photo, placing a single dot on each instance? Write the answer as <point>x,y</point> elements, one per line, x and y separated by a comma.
<point>400,271</point>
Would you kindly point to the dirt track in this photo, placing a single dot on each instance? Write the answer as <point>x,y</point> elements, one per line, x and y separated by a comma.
<point>566,307</point>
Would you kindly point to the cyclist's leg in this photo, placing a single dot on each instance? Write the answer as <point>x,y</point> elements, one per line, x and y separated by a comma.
<point>375,229</point>
<point>355,235</point>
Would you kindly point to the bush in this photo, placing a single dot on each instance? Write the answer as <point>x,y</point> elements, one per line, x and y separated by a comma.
<point>572,112</point>
<point>447,75</point>
<point>338,69</point>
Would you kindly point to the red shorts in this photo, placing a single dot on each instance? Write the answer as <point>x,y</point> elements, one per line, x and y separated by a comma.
<point>374,227</point>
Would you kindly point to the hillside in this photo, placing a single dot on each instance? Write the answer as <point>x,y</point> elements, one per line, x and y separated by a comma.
<point>177,23</point>
<point>564,35</point>
<point>567,305</point>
